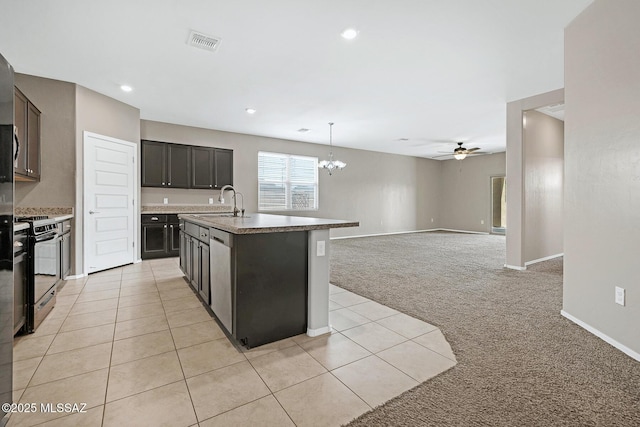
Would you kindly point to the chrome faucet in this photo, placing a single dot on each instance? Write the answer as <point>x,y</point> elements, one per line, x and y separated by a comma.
<point>235,197</point>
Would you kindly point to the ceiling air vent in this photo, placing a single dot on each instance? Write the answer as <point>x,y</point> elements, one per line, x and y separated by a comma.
<point>203,41</point>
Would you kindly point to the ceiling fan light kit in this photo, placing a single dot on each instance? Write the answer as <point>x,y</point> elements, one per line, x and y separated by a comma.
<point>460,153</point>
<point>331,164</point>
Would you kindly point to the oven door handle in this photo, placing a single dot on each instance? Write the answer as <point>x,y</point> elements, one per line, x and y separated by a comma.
<point>45,237</point>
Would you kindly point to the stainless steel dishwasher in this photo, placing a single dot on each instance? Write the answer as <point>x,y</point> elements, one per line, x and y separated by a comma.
<point>220,246</point>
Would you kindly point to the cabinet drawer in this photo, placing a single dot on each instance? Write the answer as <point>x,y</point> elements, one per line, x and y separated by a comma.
<point>154,219</point>
<point>204,235</point>
<point>192,229</point>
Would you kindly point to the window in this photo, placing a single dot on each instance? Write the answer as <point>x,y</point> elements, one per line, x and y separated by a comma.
<point>287,182</point>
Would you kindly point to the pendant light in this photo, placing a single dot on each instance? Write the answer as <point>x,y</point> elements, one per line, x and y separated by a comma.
<point>331,165</point>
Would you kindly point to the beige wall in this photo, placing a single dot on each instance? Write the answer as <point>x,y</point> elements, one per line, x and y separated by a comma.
<point>386,193</point>
<point>516,171</point>
<point>543,140</point>
<point>465,201</point>
<point>602,169</point>
<point>56,102</point>
<point>105,116</point>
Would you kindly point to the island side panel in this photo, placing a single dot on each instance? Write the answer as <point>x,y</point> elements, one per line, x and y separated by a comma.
<point>318,316</point>
<point>270,286</point>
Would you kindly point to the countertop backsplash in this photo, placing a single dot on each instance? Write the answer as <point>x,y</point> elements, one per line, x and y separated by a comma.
<point>160,209</point>
<point>49,211</point>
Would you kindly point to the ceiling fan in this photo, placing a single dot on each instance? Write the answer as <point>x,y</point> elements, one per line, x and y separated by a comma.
<point>460,152</point>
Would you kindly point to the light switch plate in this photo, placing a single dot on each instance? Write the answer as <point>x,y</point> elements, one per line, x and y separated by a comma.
<point>620,295</point>
<point>210,200</point>
<point>165,201</point>
<point>320,248</point>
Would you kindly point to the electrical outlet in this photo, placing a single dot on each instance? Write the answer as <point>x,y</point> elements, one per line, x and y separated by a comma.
<point>482,222</point>
<point>210,200</point>
<point>320,248</point>
<point>620,296</point>
<point>165,201</point>
<point>431,219</point>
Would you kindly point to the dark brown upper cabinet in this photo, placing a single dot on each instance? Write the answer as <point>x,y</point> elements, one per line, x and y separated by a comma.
<point>211,167</point>
<point>165,165</point>
<point>185,166</point>
<point>202,164</point>
<point>27,122</point>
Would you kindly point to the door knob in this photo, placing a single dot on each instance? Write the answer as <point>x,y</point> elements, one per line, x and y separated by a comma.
<point>93,212</point>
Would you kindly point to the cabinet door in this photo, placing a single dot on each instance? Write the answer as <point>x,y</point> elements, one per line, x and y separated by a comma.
<point>65,259</point>
<point>21,127</point>
<point>185,253</point>
<point>223,168</point>
<point>202,167</point>
<point>195,264</point>
<point>173,236</point>
<point>154,240</point>
<point>178,162</point>
<point>154,160</point>
<point>33,141</point>
<point>205,285</point>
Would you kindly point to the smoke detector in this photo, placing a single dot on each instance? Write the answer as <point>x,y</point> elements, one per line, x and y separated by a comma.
<point>203,41</point>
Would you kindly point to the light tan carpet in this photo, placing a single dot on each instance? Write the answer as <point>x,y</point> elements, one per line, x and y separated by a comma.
<point>520,363</point>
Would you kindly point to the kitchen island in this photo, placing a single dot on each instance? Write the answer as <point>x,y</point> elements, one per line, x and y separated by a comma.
<point>265,277</point>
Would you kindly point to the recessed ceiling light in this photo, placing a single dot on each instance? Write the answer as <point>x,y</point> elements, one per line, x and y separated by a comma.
<point>250,110</point>
<point>349,33</point>
<point>126,88</point>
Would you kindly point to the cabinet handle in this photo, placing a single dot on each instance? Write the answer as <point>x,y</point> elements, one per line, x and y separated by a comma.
<point>210,186</point>
<point>165,226</point>
<point>163,183</point>
<point>169,183</point>
<point>154,218</point>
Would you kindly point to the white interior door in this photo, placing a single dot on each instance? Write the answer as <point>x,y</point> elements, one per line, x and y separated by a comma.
<point>109,202</point>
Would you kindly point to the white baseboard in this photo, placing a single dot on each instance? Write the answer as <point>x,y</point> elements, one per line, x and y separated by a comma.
<point>319,331</point>
<point>462,231</point>
<point>547,258</point>
<point>75,276</point>
<point>383,234</point>
<point>407,232</point>
<point>515,267</point>
<point>623,348</point>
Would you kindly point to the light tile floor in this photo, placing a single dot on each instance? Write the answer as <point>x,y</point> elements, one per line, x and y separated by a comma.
<point>138,348</point>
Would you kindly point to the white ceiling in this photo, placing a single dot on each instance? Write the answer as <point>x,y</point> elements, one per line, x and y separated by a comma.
<point>431,71</point>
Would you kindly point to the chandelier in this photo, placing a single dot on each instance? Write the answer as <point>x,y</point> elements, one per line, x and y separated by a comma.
<point>331,165</point>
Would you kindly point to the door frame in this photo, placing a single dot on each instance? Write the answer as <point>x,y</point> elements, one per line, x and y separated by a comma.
<point>134,221</point>
<point>492,229</point>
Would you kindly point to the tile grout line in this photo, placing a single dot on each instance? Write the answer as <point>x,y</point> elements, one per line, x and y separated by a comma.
<point>106,390</point>
<point>184,377</point>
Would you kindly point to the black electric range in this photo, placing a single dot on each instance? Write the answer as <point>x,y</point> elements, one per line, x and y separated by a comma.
<point>43,268</point>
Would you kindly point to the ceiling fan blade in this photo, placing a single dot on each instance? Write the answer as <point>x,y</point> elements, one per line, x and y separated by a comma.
<point>444,155</point>
<point>471,150</point>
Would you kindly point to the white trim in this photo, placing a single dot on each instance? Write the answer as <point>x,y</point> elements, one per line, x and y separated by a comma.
<point>136,191</point>
<point>407,232</point>
<point>137,261</point>
<point>547,258</point>
<point>319,331</point>
<point>75,276</point>
<point>515,267</point>
<point>462,231</point>
<point>623,348</point>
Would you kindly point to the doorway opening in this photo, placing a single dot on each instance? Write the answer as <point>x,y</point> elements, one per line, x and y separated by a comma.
<point>498,205</point>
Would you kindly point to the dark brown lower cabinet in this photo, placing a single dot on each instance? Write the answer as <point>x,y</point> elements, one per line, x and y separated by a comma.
<point>160,236</point>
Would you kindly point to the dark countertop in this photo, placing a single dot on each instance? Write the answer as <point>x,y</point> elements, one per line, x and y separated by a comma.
<point>254,223</point>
